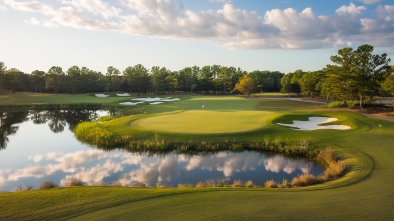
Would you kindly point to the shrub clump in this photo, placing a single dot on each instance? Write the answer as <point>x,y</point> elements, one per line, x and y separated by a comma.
<point>352,104</point>
<point>271,184</point>
<point>48,184</point>
<point>336,104</point>
<point>73,181</point>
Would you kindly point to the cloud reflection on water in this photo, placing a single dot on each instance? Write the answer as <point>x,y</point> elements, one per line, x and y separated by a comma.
<point>94,166</point>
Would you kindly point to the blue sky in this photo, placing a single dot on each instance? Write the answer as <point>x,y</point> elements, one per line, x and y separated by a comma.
<point>250,34</point>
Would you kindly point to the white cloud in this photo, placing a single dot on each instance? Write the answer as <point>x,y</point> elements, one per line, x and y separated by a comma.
<point>352,10</point>
<point>232,27</point>
<point>369,2</point>
<point>95,166</point>
<point>95,7</point>
<point>278,164</point>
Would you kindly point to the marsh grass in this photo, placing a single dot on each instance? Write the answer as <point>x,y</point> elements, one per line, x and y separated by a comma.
<point>270,184</point>
<point>334,168</point>
<point>207,183</point>
<point>159,185</point>
<point>249,184</point>
<point>237,183</point>
<point>285,183</point>
<point>222,183</point>
<point>306,180</point>
<point>185,185</point>
<point>96,133</point>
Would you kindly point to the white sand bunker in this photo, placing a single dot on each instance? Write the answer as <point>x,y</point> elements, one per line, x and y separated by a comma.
<point>101,95</point>
<point>131,103</point>
<point>152,100</point>
<point>313,123</point>
<point>123,95</point>
<point>169,99</point>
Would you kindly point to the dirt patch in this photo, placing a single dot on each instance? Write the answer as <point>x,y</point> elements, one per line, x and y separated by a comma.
<point>380,112</point>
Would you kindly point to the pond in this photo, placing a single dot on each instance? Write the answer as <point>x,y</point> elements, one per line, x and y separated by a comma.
<point>39,145</point>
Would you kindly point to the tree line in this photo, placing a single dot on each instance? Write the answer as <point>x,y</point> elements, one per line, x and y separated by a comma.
<point>354,75</point>
<point>138,79</point>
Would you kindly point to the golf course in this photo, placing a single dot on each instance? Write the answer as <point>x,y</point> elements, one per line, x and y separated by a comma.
<point>364,192</point>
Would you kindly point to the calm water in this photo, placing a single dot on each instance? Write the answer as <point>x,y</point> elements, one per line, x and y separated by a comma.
<point>36,146</point>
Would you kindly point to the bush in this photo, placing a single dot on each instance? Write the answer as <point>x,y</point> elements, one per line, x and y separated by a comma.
<point>48,184</point>
<point>116,184</point>
<point>352,104</point>
<point>271,184</point>
<point>73,181</point>
<point>336,104</point>
<point>99,184</point>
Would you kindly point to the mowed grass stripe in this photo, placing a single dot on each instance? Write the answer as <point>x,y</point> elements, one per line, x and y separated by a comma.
<point>202,122</point>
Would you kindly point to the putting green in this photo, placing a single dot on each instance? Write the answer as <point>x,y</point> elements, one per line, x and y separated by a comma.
<point>204,122</point>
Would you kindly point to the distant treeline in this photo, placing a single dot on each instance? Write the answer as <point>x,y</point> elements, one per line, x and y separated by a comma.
<point>138,79</point>
<point>356,74</point>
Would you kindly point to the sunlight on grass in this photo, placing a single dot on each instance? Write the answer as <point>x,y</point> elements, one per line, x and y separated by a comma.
<point>206,121</point>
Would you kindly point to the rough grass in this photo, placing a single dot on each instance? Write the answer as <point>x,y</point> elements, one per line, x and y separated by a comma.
<point>23,98</point>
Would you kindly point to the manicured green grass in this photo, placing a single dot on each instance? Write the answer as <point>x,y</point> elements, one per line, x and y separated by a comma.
<point>39,98</point>
<point>205,122</point>
<point>364,193</point>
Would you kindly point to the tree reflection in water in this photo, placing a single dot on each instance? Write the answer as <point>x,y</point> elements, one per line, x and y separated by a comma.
<point>7,127</point>
<point>56,119</point>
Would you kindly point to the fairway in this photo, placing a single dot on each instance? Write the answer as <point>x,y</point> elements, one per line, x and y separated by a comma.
<point>202,122</point>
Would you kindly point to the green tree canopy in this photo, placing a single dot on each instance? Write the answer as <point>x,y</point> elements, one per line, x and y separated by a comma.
<point>388,84</point>
<point>359,71</point>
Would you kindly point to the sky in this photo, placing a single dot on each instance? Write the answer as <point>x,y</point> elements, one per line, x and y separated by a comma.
<point>253,35</point>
